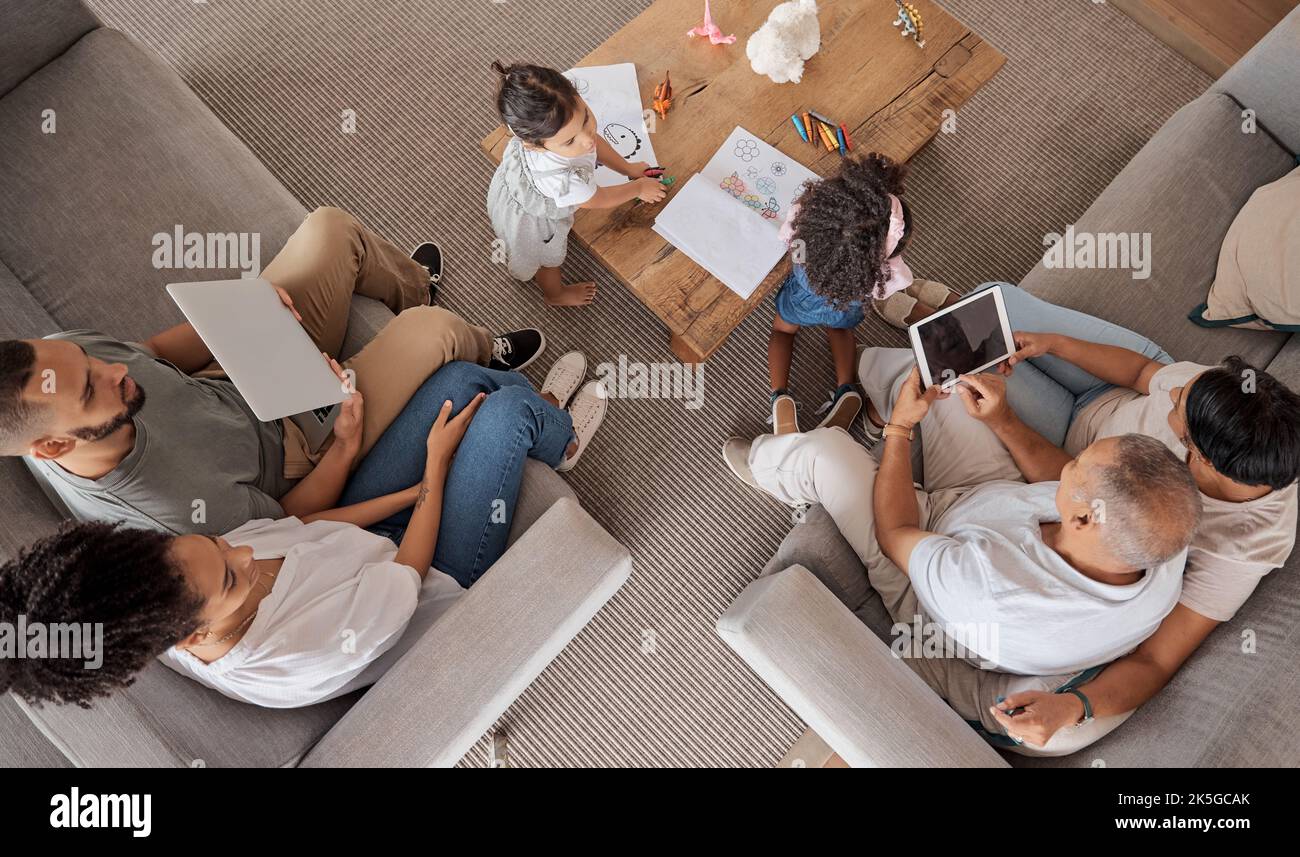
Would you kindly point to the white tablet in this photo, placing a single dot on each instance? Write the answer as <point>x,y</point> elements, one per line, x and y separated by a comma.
<point>265,351</point>
<point>967,337</point>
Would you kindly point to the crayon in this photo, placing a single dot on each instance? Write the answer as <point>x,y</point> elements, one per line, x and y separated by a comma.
<point>821,118</point>
<point>839,132</point>
<point>798,126</point>
<point>807,121</point>
<point>826,137</point>
<point>848,144</point>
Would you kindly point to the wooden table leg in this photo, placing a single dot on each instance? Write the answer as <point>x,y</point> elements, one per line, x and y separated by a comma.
<point>684,351</point>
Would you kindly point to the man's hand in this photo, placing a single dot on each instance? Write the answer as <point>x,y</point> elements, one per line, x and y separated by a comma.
<point>288,301</point>
<point>447,432</point>
<point>913,402</point>
<point>351,418</point>
<point>1027,345</point>
<point>1043,716</point>
<point>985,398</point>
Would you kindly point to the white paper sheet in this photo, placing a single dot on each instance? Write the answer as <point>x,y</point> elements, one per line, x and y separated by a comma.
<point>727,218</point>
<point>612,93</point>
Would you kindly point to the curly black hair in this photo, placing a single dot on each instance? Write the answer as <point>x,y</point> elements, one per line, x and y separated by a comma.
<point>124,578</point>
<point>535,102</point>
<point>844,224</point>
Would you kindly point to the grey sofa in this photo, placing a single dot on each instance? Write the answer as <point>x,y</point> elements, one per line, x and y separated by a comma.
<point>811,627</point>
<point>135,152</point>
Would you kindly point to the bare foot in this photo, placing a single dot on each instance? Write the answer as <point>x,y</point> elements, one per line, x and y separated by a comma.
<point>574,294</point>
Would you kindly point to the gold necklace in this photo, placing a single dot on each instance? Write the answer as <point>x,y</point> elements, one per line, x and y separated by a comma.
<point>249,618</point>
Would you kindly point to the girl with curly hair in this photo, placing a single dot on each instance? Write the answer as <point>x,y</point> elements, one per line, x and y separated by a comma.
<point>846,236</point>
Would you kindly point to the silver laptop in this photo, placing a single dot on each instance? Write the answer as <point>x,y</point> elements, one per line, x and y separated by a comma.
<point>265,352</point>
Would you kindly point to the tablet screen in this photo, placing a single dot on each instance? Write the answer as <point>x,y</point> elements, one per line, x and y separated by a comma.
<point>963,340</point>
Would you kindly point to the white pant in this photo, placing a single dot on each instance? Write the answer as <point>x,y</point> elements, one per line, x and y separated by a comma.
<point>826,467</point>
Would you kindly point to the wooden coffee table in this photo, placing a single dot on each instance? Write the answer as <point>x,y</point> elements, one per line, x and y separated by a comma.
<point>890,93</point>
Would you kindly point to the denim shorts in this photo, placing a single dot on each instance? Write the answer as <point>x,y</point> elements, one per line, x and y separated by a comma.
<point>799,304</point>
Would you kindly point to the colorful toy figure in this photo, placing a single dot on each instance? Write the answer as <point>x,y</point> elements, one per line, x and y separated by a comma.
<point>663,100</point>
<point>710,29</point>
<point>910,20</point>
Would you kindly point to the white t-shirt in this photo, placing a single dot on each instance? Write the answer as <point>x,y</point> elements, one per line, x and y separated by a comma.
<point>1237,544</point>
<point>996,589</point>
<point>568,181</point>
<point>333,621</point>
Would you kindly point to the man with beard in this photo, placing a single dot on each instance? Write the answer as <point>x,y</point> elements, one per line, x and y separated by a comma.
<point>136,432</point>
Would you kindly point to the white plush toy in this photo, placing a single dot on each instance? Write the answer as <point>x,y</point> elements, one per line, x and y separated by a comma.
<point>790,36</point>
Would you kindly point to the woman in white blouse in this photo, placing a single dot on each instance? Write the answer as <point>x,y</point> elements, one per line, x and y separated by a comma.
<point>292,612</point>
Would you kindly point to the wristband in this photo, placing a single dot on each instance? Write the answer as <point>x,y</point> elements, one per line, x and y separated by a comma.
<point>1087,706</point>
<point>893,430</point>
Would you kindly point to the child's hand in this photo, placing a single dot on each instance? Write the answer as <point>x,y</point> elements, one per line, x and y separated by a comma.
<point>637,170</point>
<point>650,190</point>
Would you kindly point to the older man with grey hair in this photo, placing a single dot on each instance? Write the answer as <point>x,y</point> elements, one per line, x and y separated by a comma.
<point>1035,579</point>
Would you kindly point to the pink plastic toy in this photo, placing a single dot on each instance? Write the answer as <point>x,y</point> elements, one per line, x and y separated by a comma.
<point>710,29</point>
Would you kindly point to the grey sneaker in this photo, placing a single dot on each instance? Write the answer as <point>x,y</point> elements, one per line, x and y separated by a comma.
<point>588,412</point>
<point>566,377</point>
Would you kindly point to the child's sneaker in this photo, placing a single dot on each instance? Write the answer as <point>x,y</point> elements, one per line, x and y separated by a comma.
<point>842,408</point>
<point>565,377</point>
<point>785,415</point>
<point>588,412</point>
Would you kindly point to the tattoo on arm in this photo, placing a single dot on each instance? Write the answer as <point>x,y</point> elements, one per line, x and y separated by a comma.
<point>423,495</point>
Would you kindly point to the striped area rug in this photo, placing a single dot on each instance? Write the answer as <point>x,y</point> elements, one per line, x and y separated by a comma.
<point>648,683</point>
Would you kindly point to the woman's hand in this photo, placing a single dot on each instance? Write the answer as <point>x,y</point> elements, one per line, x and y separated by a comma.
<point>985,397</point>
<point>650,190</point>
<point>447,432</point>
<point>913,402</point>
<point>1043,716</point>
<point>1028,345</point>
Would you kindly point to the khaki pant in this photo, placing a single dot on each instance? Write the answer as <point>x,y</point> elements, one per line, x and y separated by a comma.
<point>328,259</point>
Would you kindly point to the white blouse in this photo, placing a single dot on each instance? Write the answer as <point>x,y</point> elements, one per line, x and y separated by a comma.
<point>340,612</point>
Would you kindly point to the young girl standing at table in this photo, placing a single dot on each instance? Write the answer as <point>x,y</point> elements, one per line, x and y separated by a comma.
<point>548,172</point>
<point>851,230</point>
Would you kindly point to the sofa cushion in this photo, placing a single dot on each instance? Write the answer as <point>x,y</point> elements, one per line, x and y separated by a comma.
<point>139,153</point>
<point>33,32</point>
<point>817,545</point>
<point>167,720</point>
<point>21,744</point>
<point>1184,187</point>
<point>1266,80</point>
<point>1257,284</point>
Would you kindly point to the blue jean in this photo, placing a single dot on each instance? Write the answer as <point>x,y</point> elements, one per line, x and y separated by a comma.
<point>478,503</point>
<point>1048,392</point>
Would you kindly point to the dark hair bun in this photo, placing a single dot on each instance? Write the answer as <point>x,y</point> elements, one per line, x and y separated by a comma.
<point>535,102</point>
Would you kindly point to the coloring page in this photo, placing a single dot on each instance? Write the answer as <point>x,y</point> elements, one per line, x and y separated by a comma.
<point>614,96</point>
<point>728,216</point>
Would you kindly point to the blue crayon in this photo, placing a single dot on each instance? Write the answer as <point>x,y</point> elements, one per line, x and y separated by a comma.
<point>798,126</point>
<point>839,133</point>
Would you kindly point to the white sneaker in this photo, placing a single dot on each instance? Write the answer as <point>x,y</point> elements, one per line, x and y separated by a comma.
<point>735,452</point>
<point>588,412</point>
<point>565,377</point>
